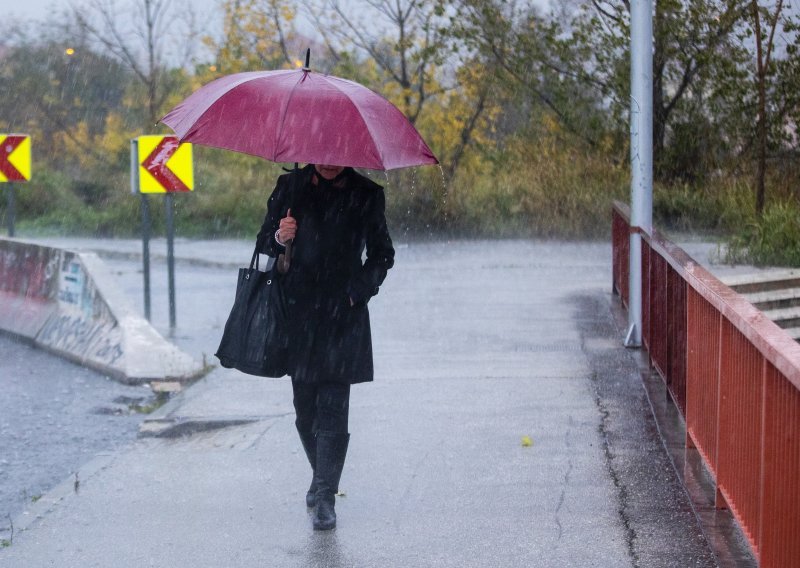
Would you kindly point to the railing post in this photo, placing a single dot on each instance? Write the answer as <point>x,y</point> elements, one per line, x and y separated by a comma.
<point>719,498</point>
<point>641,156</point>
<point>762,474</point>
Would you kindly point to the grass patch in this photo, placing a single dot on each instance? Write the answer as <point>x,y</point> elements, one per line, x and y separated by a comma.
<point>153,404</point>
<point>771,240</point>
<point>717,207</point>
<point>539,190</point>
<point>725,207</point>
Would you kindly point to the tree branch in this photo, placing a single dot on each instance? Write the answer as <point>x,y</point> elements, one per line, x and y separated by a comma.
<point>466,132</point>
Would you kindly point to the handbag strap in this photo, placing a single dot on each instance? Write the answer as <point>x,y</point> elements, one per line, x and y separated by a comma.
<point>254,260</point>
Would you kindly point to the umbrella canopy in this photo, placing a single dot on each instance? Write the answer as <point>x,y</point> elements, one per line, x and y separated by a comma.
<point>300,116</point>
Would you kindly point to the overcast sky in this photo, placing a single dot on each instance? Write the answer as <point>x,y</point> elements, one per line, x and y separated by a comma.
<point>27,9</point>
<point>208,17</point>
<point>38,9</point>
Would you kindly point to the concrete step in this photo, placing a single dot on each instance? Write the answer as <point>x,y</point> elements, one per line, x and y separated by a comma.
<point>775,299</point>
<point>794,332</point>
<point>763,281</point>
<point>784,317</point>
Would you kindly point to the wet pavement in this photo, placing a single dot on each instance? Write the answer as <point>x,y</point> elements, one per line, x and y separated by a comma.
<point>477,346</point>
<point>54,417</point>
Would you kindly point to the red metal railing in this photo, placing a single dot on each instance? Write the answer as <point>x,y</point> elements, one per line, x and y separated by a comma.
<point>735,376</point>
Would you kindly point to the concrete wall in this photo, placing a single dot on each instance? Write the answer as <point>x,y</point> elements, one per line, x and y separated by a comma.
<point>67,302</point>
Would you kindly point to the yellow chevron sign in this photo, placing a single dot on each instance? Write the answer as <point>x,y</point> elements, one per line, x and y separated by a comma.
<point>15,157</point>
<point>165,165</point>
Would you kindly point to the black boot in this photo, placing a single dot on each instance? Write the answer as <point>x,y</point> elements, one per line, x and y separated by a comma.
<point>331,451</point>
<point>309,441</point>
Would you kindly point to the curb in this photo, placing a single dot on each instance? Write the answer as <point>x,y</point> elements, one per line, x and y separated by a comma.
<point>56,496</point>
<point>179,427</point>
<point>718,526</point>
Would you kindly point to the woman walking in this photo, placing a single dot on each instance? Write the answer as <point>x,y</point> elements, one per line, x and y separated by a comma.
<point>331,215</point>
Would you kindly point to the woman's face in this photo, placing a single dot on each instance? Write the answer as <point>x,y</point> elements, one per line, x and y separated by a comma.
<point>328,172</point>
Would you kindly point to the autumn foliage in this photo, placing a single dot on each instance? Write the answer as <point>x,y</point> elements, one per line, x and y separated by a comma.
<point>526,108</point>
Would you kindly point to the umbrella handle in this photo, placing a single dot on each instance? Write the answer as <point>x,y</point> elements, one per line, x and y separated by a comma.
<point>285,259</point>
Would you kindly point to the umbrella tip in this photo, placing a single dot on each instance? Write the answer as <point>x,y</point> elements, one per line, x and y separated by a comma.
<point>308,60</point>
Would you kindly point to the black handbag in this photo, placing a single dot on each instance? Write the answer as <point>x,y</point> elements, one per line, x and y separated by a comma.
<point>256,340</point>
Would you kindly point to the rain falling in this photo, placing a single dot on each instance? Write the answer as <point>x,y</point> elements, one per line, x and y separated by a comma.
<point>336,283</point>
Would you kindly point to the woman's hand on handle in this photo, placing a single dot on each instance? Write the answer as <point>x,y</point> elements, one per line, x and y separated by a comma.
<point>287,228</point>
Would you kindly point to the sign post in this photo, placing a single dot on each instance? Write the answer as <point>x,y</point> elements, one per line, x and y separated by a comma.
<point>146,253</point>
<point>162,165</point>
<point>10,209</point>
<point>170,206</point>
<point>145,225</point>
<point>15,166</point>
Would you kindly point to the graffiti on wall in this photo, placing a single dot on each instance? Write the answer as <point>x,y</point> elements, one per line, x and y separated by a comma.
<point>94,340</point>
<point>77,291</point>
<point>84,325</point>
<point>28,271</point>
<point>71,283</point>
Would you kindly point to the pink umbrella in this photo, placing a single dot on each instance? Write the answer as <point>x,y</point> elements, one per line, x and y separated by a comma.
<point>300,116</point>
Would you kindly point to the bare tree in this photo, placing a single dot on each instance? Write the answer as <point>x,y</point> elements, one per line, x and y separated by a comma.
<point>415,55</point>
<point>403,37</point>
<point>137,33</point>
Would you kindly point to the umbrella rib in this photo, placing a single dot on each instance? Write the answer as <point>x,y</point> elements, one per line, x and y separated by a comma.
<point>284,111</point>
<point>369,129</point>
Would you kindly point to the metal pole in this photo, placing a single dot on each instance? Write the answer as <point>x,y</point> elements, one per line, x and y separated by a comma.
<point>641,156</point>
<point>171,259</point>
<point>146,225</point>
<point>11,212</point>
<point>146,253</point>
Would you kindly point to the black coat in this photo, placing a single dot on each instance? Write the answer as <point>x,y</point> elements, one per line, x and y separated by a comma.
<point>330,340</point>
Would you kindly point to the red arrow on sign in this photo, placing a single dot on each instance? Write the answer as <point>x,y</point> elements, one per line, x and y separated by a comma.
<point>6,167</point>
<point>156,165</point>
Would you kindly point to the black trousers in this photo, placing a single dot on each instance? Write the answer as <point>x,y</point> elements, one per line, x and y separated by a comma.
<point>321,407</point>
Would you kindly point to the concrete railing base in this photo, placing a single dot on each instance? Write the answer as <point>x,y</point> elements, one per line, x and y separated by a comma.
<point>67,303</point>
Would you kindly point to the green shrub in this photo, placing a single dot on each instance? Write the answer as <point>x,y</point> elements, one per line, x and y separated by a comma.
<point>718,206</point>
<point>773,239</point>
<point>54,203</point>
<point>537,190</point>
<point>531,187</point>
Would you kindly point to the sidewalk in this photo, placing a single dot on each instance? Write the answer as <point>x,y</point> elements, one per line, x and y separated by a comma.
<point>477,344</point>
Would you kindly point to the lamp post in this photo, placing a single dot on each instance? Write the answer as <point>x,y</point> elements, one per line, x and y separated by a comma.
<point>641,157</point>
